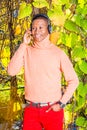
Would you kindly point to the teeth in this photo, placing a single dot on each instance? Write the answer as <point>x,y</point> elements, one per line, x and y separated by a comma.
<point>37,35</point>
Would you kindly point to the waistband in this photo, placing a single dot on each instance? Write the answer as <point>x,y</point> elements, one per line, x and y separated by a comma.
<point>33,104</point>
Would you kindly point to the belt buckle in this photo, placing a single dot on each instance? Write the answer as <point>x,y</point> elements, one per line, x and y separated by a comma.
<point>40,105</point>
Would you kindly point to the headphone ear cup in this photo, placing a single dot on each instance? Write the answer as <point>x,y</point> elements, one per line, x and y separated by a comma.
<point>49,28</point>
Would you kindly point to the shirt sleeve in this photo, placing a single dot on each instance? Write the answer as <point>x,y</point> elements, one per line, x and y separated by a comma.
<point>17,61</point>
<point>70,77</point>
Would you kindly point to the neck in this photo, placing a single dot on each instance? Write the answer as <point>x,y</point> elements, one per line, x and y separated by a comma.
<point>42,44</point>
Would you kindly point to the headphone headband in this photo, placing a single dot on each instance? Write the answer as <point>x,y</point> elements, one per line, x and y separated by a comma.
<point>40,15</point>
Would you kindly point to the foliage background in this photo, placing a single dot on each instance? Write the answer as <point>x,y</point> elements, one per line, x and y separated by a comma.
<point>69,22</point>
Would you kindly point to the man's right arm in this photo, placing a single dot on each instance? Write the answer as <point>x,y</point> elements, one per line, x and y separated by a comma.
<point>17,60</point>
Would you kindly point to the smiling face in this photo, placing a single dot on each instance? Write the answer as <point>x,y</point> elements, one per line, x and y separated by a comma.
<point>39,29</point>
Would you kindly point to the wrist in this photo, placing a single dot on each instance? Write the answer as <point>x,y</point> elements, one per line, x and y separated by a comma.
<point>62,105</point>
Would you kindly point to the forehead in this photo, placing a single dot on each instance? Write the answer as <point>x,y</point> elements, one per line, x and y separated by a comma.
<point>40,21</point>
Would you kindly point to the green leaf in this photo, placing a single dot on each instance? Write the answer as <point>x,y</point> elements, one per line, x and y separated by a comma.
<point>56,16</point>
<point>84,10</point>
<point>83,66</point>
<point>78,52</point>
<point>40,3</point>
<point>86,111</point>
<point>68,41</point>
<point>84,24</point>
<point>81,3</point>
<point>69,107</point>
<point>80,102</point>
<point>82,89</point>
<point>71,40</point>
<point>55,11</point>
<point>85,124</point>
<point>74,39</point>
<point>63,37</point>
<point>24,10</point>
<point>78,18</point>
<point>80,121</point>
<point>62,2</point>
<point>71,26</point>
<point>81,128</point>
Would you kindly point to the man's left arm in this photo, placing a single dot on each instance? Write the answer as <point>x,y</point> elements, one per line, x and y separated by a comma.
<point>70,77</point>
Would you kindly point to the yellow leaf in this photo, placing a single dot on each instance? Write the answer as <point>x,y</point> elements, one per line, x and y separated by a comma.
<point>16,107</point>
<point>4,62</point>
<point>24,10</point>
<point>68,117</point>
<point>55,2</point>
<point>5,53</point>
<point>40,3</point>
<point>25,25</point>
<point>54,37</point>
<point>18,29</point>
<point>58,20</point>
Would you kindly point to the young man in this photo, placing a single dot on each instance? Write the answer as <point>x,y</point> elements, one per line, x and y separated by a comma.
<point>43,65</point>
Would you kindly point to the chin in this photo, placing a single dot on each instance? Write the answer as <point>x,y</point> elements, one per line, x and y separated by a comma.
<point>38,40</point>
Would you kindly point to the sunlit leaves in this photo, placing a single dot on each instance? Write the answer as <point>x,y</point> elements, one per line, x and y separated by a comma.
<point>60,2</point>
<point>25,25</point>
<point>16,106</point>
<point>78,52</point>
<point>81,96</point>
<point>84,24</point>
<point>69,40</point>
<point>40,3</point>
<point>55,2</point>
<point>5,52</point>
<point>68,117</point>
<point>4,62</point>
<point>81,21</point>
<point>78,18</point>
<point>18,29</point>
<point>24,10</point>
<point>80,103</point>
<point>54,37</point>
<point>71,26</point>
<point>83,66</point>
<point>82,11</point>
<point>57,17</point>
<point>80,121</point>
<point>81,3</point>
<point>82,90</point>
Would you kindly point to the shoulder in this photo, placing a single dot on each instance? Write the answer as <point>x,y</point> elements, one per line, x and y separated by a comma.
<point>58,50</point>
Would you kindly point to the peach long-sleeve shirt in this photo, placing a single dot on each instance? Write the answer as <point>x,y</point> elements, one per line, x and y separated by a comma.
<point>43,65</point>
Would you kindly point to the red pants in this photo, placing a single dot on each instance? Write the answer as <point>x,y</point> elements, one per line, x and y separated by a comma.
<point>38,118</point>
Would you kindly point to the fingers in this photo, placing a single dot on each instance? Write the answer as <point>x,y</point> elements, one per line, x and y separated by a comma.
<point>27,37</point>
<point>28,31</point>
<point>54,108</point>
<point>49,109</point>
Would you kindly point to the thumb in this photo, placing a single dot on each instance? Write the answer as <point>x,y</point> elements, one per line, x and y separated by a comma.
<point>49,109</point>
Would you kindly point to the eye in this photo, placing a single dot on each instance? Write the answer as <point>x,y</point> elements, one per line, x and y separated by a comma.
<point>33,28</point>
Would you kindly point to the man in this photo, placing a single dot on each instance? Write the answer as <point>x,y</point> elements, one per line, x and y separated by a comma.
<point>43,65</point>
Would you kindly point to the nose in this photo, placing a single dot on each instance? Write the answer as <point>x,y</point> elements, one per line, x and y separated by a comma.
<point>36,30</point>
